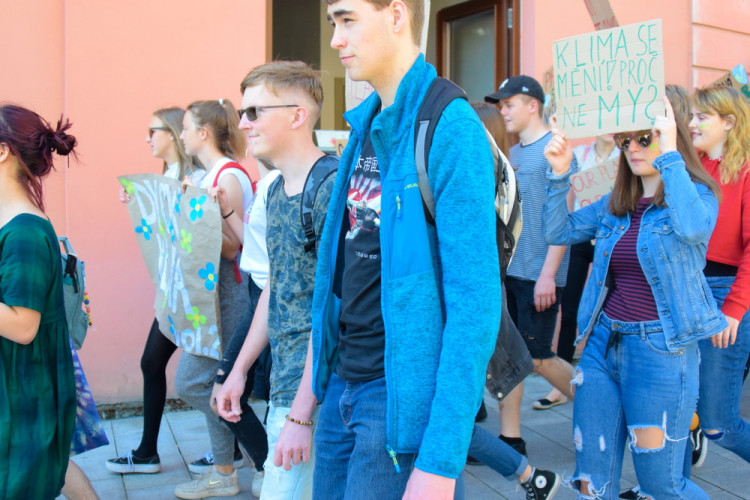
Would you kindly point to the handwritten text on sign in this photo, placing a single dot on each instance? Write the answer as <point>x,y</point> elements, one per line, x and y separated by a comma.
<point>591,184</point>
<point>180,238</point>
<point>610,80</point>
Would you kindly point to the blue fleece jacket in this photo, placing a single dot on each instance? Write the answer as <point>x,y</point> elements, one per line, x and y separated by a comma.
<point>440,293</point>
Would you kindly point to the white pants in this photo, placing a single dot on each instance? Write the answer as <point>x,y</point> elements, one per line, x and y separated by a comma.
<point>280,484</point>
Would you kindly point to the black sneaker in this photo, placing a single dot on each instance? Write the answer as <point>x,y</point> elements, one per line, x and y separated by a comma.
<point>700,446</point>
<point>129,464</point>
<point>542,485</point>
<point>517,444</point>
<point>631,494</point>
<point>204,463</point>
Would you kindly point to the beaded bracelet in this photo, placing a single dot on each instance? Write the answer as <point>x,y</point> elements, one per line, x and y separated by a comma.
<point>299,422</point>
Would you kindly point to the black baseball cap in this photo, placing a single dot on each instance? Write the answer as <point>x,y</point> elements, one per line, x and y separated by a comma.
<point>521,84</point>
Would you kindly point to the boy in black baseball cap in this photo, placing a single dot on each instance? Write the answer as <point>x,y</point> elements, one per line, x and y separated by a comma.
<point>521,84</point>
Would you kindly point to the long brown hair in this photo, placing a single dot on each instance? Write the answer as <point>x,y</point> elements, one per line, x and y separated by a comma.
<point>221,118</point>
<point>172,119</point>
<point>493,120</point>
<point>628,188</point>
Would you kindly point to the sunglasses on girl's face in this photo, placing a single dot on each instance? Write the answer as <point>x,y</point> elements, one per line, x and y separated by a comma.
<point>151,130</point>
<point>643,138</point>
<point>252,111</point>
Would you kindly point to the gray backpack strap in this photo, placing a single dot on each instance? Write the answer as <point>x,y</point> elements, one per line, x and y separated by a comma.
<point>438,96</point>
<point>322,169</point>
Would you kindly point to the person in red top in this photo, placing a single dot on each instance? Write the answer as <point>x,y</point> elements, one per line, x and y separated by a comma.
<point>720,127</point>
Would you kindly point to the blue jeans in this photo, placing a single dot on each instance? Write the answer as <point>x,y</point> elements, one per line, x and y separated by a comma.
<point>721,374</point>
<point>633,385</point>
<point>496,454</point>
<point>352,461</point>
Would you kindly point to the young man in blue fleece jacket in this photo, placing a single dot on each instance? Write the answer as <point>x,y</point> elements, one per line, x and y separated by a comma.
<point>405,314</point>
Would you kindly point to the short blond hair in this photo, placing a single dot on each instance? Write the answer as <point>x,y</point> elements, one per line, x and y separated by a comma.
<point>287,75</point>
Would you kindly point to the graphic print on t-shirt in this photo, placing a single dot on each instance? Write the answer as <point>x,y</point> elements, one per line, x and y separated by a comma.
<point>363,201</point>
<point>362,339</point>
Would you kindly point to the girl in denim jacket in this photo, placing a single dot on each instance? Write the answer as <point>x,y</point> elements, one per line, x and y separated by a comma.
<point>645,306</point>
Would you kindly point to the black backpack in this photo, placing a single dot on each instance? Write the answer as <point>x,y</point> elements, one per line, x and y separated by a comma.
<point>319,172</point>
<point>507,194</point>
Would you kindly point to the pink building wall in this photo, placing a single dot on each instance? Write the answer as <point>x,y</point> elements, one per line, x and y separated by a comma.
<point>108,65</point>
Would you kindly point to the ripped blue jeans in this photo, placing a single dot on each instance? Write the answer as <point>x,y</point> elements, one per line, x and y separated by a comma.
<point>634,384</point>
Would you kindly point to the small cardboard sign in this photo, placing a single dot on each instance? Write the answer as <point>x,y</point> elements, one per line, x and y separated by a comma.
<point>593,183</point>
<point>601,14</point>
<point>736,78</point>
<point>610,80</point>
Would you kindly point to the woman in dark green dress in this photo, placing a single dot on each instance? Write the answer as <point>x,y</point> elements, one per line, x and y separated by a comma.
<point>37,388</point>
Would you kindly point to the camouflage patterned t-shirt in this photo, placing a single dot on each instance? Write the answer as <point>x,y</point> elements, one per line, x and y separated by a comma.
<point>292,280</point>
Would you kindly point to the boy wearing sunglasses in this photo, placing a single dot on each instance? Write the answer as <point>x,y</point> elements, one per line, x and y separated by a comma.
<point>536,275</point>
<point>405,313</point>
<point>281,102</point>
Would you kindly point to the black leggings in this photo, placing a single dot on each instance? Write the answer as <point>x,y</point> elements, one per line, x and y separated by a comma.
<point>581,255</point>
<point>154,361</point>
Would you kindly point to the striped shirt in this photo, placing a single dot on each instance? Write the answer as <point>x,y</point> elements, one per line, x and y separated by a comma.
<point>531,172</point>
<point>631,297</point>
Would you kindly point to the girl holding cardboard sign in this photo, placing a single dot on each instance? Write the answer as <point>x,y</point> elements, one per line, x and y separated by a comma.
<point>720,128</point>
<point>644,308</point>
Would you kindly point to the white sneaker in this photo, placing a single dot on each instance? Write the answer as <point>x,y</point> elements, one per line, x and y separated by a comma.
<point>258,482</point>
<point>204,462</point>
<point>211,484</point>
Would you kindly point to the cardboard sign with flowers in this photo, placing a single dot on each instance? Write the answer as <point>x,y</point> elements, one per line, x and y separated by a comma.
<point>169,224</point>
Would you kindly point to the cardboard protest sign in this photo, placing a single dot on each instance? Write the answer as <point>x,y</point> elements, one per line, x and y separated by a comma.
<point>180,238</point>
<point>610,80</point>
<point>591,184</point>
<point>601,14</point>
<point>736,78</point>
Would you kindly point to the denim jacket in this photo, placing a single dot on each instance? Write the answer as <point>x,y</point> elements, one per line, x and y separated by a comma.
<point>671,246</point>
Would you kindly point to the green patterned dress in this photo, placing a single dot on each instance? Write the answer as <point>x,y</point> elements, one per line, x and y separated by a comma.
<point>37,388</point>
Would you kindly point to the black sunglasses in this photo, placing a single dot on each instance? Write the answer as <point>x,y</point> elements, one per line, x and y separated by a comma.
<point>252,111</point>
<point>643,138</point>
<point>151,130</point>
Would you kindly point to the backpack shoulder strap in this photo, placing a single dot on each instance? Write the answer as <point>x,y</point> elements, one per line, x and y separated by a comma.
<point>231,164</point>
<point>319,172</point>
<point>441,93</point>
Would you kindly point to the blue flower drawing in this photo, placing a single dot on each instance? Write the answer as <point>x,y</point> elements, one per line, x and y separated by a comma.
<point>177,205</point>
<point>209,274</point>
<point>145,229</point>
<point>197,207</point>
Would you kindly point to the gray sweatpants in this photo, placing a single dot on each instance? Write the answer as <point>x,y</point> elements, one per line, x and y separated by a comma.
<point>195,374</point>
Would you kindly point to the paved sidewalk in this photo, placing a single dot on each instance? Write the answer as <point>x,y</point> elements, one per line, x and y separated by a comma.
<point>183,438</point>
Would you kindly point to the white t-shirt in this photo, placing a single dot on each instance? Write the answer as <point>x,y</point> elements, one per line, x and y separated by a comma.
<point>244,180</point>
<point>254,259</point>
<point>173,172</point>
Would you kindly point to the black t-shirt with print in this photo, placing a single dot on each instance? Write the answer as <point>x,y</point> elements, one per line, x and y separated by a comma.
<point>362,339</point>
